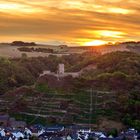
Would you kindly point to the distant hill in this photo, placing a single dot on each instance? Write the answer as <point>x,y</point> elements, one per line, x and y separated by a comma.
<point>134,47</point>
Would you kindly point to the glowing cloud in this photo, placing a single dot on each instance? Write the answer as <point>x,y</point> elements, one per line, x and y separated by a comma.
<point>119,10</point>
<point>115,10</point>
<point>113,34</point>
<point>17,7</point>
<point>6,6</point>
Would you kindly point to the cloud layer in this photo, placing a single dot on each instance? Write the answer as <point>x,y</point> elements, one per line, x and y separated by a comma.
<point>71,21</point>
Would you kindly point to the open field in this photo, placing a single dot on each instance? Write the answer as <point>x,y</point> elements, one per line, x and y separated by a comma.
<point>13,52</point>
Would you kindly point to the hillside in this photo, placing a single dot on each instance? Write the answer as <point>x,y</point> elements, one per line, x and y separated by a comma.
<point>111,67</point>
<point>134,48</point>
<point>114,80</point>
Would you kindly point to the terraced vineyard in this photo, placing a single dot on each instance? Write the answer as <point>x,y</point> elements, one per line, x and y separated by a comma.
<point>62,107</point>
<point>80,107</point>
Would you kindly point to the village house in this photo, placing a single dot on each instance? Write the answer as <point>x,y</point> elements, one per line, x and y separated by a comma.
<point>6,121</point>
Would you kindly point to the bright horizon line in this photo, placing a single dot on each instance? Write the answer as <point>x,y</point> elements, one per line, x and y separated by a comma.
<point>88,44</point>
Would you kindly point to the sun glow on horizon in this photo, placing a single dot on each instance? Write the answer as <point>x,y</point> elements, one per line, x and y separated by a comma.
<point>95,43</point>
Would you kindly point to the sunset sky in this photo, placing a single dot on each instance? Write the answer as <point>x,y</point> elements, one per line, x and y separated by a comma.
<point>72,22</point>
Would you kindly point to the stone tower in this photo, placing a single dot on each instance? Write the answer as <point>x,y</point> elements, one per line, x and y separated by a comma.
<point>61,69</point>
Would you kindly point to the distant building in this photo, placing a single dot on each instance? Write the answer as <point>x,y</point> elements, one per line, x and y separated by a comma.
<point>61,69</point>
<point>61,72</point>
<point>16,124</point>
<point>45,72</point>
<point>4,120</point>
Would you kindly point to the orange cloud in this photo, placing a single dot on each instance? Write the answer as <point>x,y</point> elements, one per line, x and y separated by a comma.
<point>72,21</point>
